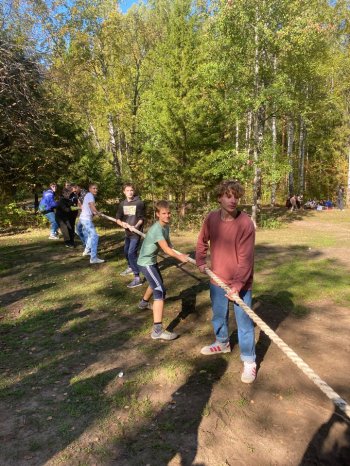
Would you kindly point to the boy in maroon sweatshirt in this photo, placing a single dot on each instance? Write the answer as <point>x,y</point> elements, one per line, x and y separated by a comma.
<point>230,234</point>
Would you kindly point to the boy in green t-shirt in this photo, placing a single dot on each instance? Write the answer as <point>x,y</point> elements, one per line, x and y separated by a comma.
<point>157,238</point>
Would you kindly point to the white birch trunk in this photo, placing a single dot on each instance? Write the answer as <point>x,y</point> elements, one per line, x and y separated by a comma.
<point>274,143</point>
<point>301,155</point>
<point>290,143</point>
<point>114,150</point>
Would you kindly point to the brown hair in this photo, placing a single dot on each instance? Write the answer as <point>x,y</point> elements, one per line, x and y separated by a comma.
<point>129,185</point>
<point>162,205</point>
<point>230,187</point>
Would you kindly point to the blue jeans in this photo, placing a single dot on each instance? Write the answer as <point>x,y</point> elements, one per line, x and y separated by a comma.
<point>79,230</point>
<point>245,326</point>
<point>130,251</point>
<point>53,224</point>
<point>91,237</point>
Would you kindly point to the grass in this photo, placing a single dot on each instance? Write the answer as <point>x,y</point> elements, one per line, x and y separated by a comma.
<point>67,330</point>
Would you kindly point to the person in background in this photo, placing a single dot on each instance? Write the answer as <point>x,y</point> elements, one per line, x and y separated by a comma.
<point>131,213</point>
<point>63,217</point>
<point>88,211</point>
<point>340,197</point>
<point>47,207</point>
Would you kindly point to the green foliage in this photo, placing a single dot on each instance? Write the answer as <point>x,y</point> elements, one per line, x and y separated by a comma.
<point>15,215</point>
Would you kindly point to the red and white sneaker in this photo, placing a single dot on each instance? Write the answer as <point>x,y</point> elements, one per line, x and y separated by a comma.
<point>249,372</point>
<point>216,348</point>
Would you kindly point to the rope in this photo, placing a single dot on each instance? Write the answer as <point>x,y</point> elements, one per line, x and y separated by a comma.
<point>292,355</point>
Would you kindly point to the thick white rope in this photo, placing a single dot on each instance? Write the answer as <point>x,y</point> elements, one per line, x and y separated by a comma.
<point>292,355</point>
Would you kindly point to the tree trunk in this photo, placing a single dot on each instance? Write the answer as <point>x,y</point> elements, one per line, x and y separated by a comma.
<point>274,144</point>
<point>248,131</point>
<point>237,135</point>
<point>94,134</point>
<point>348,190</point>
<point>258,118</point>
<point>290,142</point>
<point>301,155</point>
<point>114,150</point>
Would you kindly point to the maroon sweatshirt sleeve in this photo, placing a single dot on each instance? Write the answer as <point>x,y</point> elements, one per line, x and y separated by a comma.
<point>203,243</point>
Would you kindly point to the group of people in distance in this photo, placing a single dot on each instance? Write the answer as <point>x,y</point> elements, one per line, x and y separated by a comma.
<point>62,214</point>
<point>227,232</point>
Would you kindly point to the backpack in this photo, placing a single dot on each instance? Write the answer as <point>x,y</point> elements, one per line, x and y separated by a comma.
<point>42,206</point>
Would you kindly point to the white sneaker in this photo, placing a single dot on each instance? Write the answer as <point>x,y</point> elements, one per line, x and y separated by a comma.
<point>216,348</point>
<point>53,237</point>
<point>97,260</point>
<point>249,372</point>
<point>86,252</point>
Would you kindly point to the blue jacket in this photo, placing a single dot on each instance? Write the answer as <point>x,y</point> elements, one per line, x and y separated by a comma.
<point>48,200</point>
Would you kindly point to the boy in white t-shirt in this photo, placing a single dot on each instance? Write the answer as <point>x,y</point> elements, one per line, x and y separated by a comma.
<point>88,210</point>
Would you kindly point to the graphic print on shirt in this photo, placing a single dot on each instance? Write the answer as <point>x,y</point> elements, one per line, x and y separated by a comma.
<point>129,210</point>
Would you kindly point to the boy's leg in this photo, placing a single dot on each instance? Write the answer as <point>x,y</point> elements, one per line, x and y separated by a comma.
<point>53,224</point>
<point>132,255</point>
<point>132,261</point>
<point>126,248</point>
<point>245,326</point>
<point>220,313</point>
<point>156,286</point>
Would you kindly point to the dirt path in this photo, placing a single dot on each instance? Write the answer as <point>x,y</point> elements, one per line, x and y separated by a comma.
<point>63,401</point>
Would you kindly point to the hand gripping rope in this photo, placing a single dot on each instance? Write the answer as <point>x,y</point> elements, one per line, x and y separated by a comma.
<point>292,355</point>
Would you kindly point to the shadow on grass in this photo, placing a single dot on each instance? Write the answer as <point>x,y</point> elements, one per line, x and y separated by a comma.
<point>174,430</point>
<point>188,303</point>
<point>330,445</point>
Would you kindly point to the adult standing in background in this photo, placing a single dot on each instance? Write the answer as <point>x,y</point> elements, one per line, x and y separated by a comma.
<point>340,198</point>
<point>131,213</point>
<point>47,207</point>
<point>87,212</point>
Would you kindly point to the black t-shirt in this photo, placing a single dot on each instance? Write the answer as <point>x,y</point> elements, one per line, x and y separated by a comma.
<point>131,212</point>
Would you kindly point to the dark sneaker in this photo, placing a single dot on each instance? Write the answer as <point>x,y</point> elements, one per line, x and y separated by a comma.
<point>216,348</point>
<point>127,271</point>
<point>163,335</point>
<point>144,305</point>
<point>136,282</point>
<point>249,372</point>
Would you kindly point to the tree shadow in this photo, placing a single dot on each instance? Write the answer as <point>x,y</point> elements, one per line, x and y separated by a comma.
<point>330,446</point>
<point>174,430</point>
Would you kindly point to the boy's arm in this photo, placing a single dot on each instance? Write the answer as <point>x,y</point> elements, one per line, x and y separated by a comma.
<point>92,206</point>
<point>163,244</point>
<point>140,214</point>
<point>119,217</point>
<point>202,246</point>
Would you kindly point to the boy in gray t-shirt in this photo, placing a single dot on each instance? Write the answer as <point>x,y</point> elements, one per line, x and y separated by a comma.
<point>157,239</point>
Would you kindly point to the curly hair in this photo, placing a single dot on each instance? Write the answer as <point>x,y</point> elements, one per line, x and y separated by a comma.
<point>230,187</point>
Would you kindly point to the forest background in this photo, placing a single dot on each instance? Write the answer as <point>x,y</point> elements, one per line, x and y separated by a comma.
<point>175,95</point>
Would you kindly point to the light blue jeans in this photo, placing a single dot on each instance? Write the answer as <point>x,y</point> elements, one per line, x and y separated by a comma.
<point>245,326</point>
<point>91,237</point>
<point>79,230</point>
<point>53,224</point>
